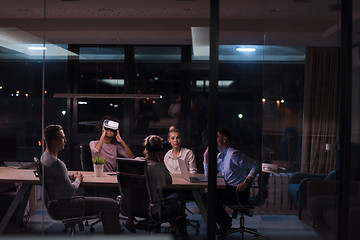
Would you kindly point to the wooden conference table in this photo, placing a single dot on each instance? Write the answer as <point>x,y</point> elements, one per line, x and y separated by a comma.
<point>26,179</point>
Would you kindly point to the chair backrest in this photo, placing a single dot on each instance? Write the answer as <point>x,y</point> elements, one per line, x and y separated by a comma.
<point>85,157</point>
<point>261,197</point>
<point>37,168</point>
<point>39,173</point>
<point>134,188</point>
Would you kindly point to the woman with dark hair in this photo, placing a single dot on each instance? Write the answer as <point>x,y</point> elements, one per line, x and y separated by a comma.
<point>110,144</point>
<point>159,177</point>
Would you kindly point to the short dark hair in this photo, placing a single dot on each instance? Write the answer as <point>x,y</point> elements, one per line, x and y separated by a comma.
<point>225,133</point>
<point>51,133</point>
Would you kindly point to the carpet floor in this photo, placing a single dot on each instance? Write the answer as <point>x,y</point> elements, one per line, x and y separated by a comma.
<point>276,227</point>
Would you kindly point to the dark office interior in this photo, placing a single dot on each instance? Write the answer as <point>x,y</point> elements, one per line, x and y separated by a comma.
<point>287,87</point>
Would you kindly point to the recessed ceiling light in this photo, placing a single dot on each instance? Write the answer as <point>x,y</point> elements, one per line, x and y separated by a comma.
<point>244,49</point>
<point>37,48</point>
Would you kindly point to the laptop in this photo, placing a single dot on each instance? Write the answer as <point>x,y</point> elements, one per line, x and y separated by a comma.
<point>185,174</point>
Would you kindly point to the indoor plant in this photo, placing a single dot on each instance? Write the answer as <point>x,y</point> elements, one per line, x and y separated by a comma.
<point>98,166</point>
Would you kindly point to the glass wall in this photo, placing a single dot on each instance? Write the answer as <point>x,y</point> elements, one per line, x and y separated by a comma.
<point>278,88</point>
<point>20,90</point>
<point>355,139</point>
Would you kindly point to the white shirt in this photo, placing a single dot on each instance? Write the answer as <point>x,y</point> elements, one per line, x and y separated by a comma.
<point>186,155</point>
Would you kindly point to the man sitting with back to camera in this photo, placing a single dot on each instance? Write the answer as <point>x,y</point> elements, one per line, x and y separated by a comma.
<point>238,171</point>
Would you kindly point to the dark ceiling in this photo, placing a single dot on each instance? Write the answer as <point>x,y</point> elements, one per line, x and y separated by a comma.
<point>275,22</point>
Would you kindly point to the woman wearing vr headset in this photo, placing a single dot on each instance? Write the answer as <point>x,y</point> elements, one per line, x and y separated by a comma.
<point>110,145</point>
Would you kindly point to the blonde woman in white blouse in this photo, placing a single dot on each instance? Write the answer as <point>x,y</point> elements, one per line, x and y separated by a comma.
<point>178,152</point>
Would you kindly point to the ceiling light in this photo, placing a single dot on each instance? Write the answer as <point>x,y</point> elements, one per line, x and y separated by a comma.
<point>24,42</point>
<point>201,41</point>
<point>244,49</point>
<point>115,82</point>
<point>100,95</point>
<point>37,48</point>
<point>221,83</point>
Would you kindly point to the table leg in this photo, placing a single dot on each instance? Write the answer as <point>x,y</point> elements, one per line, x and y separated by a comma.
<point>200,203</point>
<point>20,200</point>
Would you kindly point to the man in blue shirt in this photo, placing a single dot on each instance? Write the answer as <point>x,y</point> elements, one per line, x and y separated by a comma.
<point>238,171</point>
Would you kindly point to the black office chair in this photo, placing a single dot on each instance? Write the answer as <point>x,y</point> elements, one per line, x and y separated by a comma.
<point>193,223</point>
<point>63,209</point>
<point>135,197</point>
<point>87,165</point>
<point>85,158</point>
<point>248,210</point>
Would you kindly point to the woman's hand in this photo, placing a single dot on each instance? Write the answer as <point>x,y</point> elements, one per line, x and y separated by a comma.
<point>103,132</point>
<point>118,137</point>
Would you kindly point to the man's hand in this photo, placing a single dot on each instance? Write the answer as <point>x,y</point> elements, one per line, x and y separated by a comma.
<point>206,155</point>
<point>244,185</point>
<point>72,177</point>
<point>79,176</point>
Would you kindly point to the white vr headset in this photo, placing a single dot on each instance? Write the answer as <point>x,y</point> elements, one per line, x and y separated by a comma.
<point>111,124</point>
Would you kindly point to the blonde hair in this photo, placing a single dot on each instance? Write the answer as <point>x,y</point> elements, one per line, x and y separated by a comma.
<point>173,129</point>
<point>153,147</point>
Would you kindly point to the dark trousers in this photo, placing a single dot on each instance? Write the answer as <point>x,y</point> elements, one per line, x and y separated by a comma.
<point>109,212</point>
<point>228,196</point>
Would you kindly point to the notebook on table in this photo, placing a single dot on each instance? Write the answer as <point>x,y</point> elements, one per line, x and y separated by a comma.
<point>185,174</point>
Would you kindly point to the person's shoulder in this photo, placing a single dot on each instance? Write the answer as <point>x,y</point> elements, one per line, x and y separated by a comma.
<point>235,152</point>
<point>168,153</point>
<point>186,151</point>
<point>93,142</point>
<point>49,160</point>
<point>116,144</point>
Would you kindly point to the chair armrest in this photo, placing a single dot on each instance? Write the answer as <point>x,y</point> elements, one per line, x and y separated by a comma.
<point>297,177</point>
